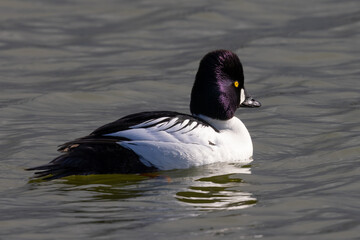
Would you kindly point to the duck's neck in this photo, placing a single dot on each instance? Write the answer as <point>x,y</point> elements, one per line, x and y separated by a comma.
<point>234,123</point>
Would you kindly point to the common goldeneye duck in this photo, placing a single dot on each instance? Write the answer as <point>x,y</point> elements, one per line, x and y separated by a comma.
<point>164,140</point>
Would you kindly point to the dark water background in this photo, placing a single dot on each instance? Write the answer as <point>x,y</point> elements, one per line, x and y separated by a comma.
<point>68,67</point>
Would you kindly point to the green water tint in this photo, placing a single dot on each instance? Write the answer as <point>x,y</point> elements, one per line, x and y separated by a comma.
<point>105,187</point>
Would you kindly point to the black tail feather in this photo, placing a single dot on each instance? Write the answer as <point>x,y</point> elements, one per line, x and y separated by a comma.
<point>88,159</point>
<point>42,167</point>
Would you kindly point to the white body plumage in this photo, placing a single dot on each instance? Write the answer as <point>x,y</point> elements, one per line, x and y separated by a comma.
<point>170,143</point>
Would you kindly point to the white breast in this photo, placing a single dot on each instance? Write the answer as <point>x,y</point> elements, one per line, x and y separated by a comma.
<point>175,144</point>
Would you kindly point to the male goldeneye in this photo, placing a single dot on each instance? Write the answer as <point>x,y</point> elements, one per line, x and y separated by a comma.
<point>164,140</point>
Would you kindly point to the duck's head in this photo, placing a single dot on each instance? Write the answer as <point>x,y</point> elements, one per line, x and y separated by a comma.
<point>219,86</point>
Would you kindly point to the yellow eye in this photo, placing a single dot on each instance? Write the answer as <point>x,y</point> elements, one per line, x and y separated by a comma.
<point>236,84</point>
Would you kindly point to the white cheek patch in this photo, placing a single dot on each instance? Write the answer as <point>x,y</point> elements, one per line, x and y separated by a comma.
<point>242,96</point>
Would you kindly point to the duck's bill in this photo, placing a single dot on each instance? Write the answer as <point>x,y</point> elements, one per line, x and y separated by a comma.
<point>249,101</point>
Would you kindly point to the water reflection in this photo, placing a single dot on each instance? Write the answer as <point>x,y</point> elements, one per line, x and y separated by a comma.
<point>105,187</point>
<point>212,187</point>
<point>219,191</point>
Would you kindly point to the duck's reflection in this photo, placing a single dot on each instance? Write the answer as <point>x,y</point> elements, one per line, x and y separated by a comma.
<point>219,191</point>
<point>102,187</point>
<point>215,186</point>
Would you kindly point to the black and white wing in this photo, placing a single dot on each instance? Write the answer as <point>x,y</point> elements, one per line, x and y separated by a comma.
<point>165,140</point>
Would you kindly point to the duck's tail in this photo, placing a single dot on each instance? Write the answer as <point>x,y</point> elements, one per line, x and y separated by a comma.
<point>86,159</point>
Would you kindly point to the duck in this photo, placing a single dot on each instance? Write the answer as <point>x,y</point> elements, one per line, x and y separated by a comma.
<point>165,140</point>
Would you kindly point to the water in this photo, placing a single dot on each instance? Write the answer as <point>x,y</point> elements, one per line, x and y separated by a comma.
<point>69,67</point>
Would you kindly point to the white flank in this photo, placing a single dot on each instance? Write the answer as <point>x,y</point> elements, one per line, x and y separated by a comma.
<point>170,145</point>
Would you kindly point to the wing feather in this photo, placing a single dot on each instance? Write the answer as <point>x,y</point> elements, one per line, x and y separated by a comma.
<point>160,139</point>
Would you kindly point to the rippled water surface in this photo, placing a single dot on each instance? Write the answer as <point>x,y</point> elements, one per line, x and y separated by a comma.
<point>68,67</point>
